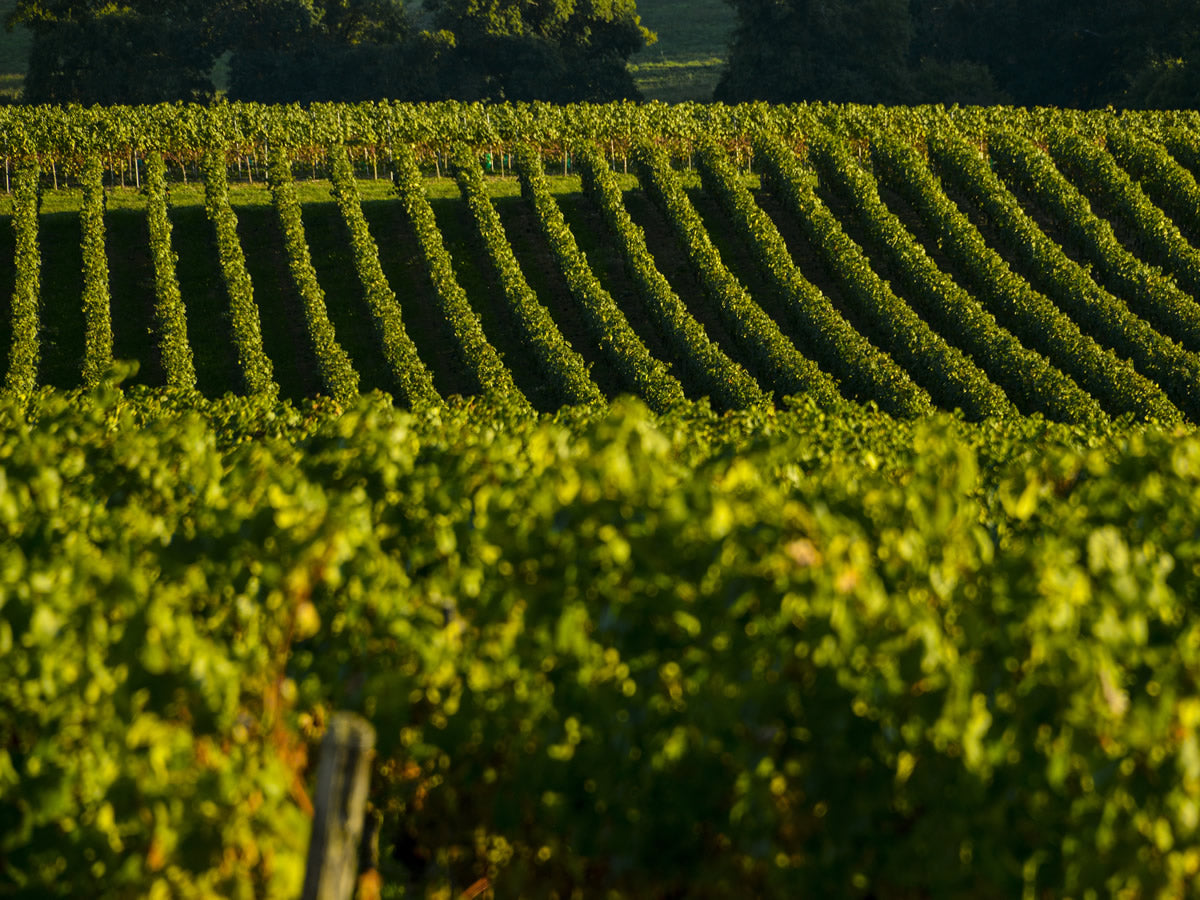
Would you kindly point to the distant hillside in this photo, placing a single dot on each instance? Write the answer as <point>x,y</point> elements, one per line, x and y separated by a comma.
<point>693,39</point>
<point>14,55</point>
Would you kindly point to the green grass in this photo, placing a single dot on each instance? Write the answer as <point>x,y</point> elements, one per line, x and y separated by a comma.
<point>686,61</point>
<point>14,55</point>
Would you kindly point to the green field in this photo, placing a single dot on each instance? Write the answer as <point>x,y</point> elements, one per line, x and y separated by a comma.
<point>750,511</point>
<point>693,42</point>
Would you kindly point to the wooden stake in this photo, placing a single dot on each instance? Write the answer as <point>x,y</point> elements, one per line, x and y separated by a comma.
<point>342,781</point>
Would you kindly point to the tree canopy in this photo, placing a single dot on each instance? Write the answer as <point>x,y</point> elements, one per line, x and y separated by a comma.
<point>511,47</point>
<point>136,52</point>
<point>1080,53</point>
<point>92,51</point>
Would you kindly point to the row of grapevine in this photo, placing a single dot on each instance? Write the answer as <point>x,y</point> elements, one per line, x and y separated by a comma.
<point>786,369</point>
<point>1026,312</point>
<point>1160,175</point>
<point>258,375</point>
<point>699,358</point>
<point>410,373</point>
<point>97,308</point>
<point>1026,376</point>
<point>559,362</point>
<point>1097,311</point>
<point>62,136</point>
<point>606,322</point>
<point>1182,145</point>
<point>863,371</point>
<point>186,131</point>
<point>170,312</point>
<point>1150,292</point>
<point>950,377</point>
<point>493,377</point>
<point>22,375</point>
<point>337,372</point>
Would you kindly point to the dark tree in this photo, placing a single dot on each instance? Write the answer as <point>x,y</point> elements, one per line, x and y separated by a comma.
<point>93,52</point>
<point>555,50</point>
<point>307,50</point>
<point>143,51</point>
<point>837,50</point>
<point>1078,53</point>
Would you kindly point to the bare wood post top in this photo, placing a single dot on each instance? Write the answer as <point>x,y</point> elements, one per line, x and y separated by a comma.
<point>342,780</point>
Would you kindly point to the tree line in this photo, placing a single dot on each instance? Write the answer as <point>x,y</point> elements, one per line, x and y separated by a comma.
<point>1073,53</point>
<point>1077,53</point>
<point>147,51</point>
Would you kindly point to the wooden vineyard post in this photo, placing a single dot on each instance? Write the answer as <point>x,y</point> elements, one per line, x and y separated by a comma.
<point>342,781</point>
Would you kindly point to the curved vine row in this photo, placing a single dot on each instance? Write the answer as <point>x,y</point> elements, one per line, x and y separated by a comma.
<point>337,372</point>
<point>97,306</point>
<point>1026,376</point>
<point>952,379</point>
<point>606,322</point>
<point>173,343</point>
<point>258,375</point>
<point>701,360</point>
<point>789,371</point>
<point>863,369</point>
<point>1027,313</point>
<point>410,373</point>
<point>559,362</point>
<point>1106,317</point>
<point>494,378</point>
<point>23,358</point>
<point>1150,291</point>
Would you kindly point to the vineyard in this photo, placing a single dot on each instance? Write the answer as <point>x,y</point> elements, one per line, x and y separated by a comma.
<point>700,501</point>
<point>864,257</point>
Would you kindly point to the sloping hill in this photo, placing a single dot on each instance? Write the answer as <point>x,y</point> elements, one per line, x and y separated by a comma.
<point>14,54</point>
<point>686,61</point>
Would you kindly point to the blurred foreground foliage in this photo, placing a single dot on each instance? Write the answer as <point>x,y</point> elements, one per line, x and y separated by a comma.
<point>607,653</point>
